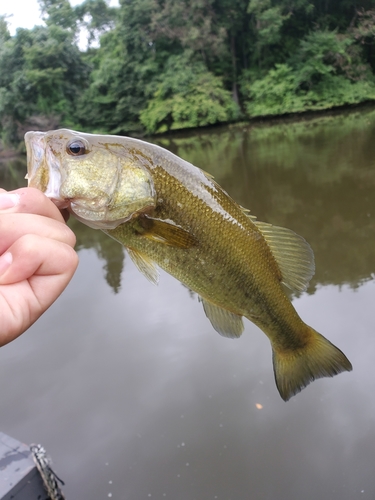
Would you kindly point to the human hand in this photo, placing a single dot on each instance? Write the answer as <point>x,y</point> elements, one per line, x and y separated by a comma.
<point>37,259</point>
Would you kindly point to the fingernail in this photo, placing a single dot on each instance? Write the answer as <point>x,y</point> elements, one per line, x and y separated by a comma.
<point>8,200</point>
<point>5,261</point>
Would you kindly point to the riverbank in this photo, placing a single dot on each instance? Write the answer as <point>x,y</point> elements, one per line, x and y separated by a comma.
<point>267,120</point>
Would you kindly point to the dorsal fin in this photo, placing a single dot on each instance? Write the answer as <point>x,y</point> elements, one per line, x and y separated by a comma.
<point>246,211</point>
<point>293,255</point>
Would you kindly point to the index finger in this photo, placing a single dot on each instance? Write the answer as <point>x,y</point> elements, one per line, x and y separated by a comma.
<point>32,201</point>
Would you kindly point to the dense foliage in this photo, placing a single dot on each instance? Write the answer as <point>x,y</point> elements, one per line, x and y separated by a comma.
<point>156,65</point>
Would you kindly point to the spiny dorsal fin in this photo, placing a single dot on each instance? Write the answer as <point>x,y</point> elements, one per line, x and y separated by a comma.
<point>293,255</point>
<point>144,265</point>
<point>246,211</point>
<point>209,176</point>
<point>225,322</point>
<point>166,232</point>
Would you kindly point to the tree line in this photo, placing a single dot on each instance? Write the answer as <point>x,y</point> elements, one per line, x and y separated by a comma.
<point>157,65</point>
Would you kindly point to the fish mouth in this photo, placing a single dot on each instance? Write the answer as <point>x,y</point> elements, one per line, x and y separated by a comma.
<point>61,204</point>
<point>43,168</point>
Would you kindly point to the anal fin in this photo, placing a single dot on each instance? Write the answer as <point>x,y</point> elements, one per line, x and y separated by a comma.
<point>225,322</point>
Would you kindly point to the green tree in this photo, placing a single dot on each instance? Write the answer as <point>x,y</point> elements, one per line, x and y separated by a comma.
<point>187,96</point>
<point>161,64</point>
<point>193,24</point>
<point>364,34</point>
<point>42,73</point>
<point>232,16</point>
<point>324,72</point>
<point>96,16</point>
<point>59,13</point>
<point>123,72</point>
<point>4,31</point>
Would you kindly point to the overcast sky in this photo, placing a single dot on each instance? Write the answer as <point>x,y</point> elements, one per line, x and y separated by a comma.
<point>26,13</point>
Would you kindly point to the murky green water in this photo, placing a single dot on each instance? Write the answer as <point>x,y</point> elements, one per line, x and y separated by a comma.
<point>134,394</point>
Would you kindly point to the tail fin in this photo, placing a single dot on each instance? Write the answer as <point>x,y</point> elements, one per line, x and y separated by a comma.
<point>294,370</point>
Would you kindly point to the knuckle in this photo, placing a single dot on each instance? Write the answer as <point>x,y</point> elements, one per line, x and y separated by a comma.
<point>70,237</point>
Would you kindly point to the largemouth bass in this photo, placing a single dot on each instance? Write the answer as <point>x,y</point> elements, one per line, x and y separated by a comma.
<point>169,213</point>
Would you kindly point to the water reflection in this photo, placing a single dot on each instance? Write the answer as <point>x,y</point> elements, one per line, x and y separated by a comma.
<point>106,249</point>
<point>134,394</point>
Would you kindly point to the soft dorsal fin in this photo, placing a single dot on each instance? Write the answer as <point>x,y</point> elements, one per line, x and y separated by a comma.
<point>225,322</point>
<point>293,255</point>
<point>144,265</point>
<point>166,232</point>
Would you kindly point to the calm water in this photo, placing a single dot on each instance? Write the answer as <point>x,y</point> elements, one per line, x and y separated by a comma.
<point>135,396</point>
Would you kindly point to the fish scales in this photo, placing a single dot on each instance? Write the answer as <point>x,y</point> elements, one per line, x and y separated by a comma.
<point>229,277</point>
<point>167,212</point>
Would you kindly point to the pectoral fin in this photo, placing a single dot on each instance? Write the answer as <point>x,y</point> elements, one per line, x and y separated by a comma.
<point>225,322</point>
<point>166,232</point>
<point>144,265</point>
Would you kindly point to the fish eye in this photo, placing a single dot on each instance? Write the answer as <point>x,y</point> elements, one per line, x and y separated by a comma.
<point>77,148</point>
